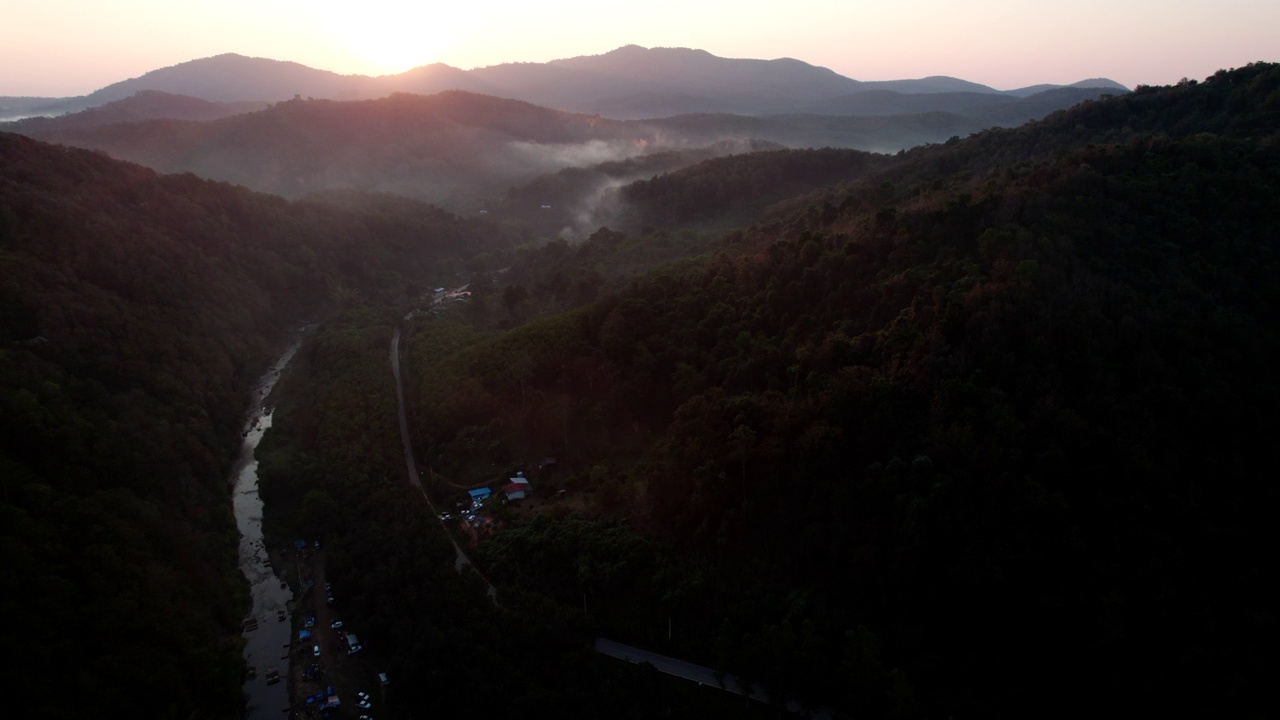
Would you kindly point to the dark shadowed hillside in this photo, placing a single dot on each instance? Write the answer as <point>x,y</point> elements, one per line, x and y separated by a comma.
<point>135,312</point>
<point>976,433</point>
<point>741,187</point>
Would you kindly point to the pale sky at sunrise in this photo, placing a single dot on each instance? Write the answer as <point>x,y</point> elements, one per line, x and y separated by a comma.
<point>71,47</point>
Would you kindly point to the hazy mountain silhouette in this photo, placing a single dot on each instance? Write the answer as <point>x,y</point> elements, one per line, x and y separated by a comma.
<point>447,148</point>
<point>1102,83</point>
<point>630,82</point>
<point>230,77</point>
<point>931,84</point>
<point>143,105</point>
<point>456,148</point>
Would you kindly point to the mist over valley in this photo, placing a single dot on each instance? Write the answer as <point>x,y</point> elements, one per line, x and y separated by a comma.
<point>446,137</point>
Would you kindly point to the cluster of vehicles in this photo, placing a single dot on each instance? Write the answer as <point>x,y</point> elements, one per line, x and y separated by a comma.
<point>324,701</point>
<point>467,511</point>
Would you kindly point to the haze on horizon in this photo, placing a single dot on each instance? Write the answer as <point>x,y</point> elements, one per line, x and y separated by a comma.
<point>60,48</point>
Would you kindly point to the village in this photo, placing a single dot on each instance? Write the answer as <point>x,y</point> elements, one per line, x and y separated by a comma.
<point>471,519</point>
<point>330,675</point>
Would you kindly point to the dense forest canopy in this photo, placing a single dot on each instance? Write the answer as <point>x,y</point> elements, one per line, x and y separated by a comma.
<point>332,465</point>
<point>975,429</point>
<point>998,405</point>
<point>136,312</point>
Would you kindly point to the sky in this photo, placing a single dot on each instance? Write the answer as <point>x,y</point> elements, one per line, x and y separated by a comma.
<point>59,48</point>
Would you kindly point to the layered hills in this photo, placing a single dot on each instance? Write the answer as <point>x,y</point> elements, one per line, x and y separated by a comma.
<point>976,429</point>
<point>469,136</point>
<point>631,82</point>
<point>461,150</point>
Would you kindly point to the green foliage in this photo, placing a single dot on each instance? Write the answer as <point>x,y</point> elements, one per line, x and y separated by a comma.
<point>336,452</point>
<point>742,185</point>
<point>998,403</point>
<point>137,312</point>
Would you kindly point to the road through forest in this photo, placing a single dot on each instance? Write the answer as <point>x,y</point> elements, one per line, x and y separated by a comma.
<point>662,663</point>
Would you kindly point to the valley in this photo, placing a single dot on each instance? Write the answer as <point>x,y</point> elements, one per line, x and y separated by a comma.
<point>955,425</point>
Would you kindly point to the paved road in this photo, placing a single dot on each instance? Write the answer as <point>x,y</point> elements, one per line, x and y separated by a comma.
<point>404,419</point>
<point>671,666</point>
<point>460,560</point>
<point>696,673</point>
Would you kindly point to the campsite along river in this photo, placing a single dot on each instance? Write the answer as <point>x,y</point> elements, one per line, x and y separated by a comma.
<point>267,626</point>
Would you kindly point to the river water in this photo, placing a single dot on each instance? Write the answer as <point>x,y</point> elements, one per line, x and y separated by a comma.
<point>266,634</point>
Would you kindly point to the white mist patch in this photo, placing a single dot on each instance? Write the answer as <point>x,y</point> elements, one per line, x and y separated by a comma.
<point>597,207</point>
<point>551,157</point>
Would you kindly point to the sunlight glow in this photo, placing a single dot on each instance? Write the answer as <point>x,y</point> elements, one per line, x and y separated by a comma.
<point>391,37</point>
<point>66,47</point>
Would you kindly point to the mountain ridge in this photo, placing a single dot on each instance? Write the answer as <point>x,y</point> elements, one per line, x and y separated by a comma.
<point>618,80</point>
<point>457,147</point>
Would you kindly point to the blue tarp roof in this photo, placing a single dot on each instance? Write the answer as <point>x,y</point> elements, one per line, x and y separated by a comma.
<point>300,544</point>
<point>479,493</point>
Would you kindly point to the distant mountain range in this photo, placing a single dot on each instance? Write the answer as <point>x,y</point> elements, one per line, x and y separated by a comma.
<point>462,138</point>
<point>630,82</point>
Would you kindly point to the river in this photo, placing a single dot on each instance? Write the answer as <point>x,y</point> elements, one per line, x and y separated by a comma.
<point>267,625</point>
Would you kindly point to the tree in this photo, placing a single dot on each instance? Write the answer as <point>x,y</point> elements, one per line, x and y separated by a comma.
<point>513,296</point>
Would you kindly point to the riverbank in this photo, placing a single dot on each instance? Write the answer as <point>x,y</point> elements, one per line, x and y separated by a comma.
<point>267,629</point>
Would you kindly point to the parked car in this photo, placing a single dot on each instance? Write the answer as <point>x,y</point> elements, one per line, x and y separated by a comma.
<point>363,696</point>
<point>355,649</point>
<point>363,705</point>
<point>335,624</point>
<point>315,651</point>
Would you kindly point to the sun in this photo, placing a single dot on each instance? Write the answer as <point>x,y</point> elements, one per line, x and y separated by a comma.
<point>391,37</point>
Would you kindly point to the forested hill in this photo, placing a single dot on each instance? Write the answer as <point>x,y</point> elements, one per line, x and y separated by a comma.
<point>1243,103</point>
<point>985,441</point>
<point>452,146</point>
<point>135,312</point>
